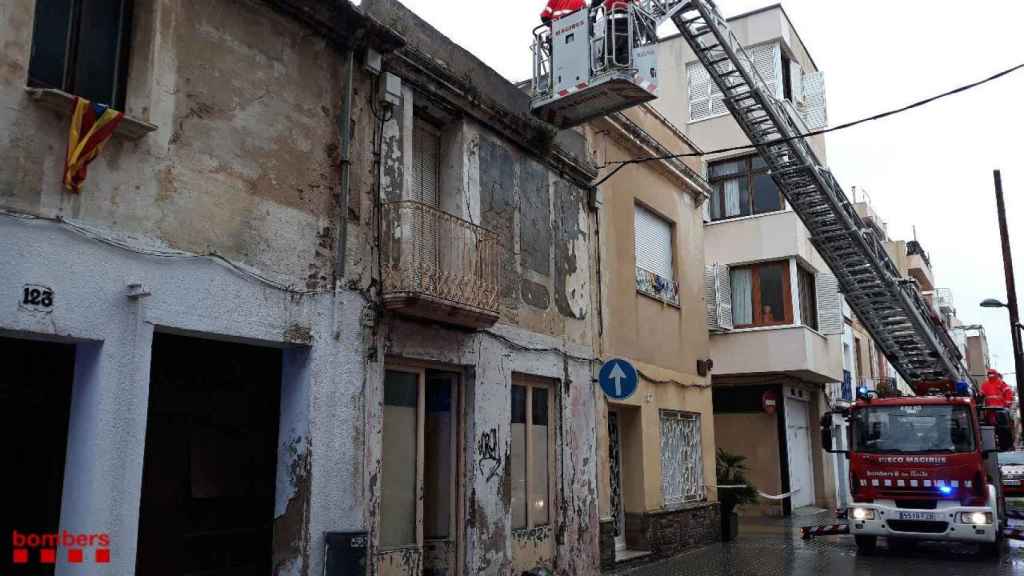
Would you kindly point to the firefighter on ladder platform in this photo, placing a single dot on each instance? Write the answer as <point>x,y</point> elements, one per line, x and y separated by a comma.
<point>996,392</point>
<point>559,9</point>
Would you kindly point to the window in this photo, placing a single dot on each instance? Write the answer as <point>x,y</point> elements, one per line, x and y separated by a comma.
<point>706,100</point>
<point>682,461</point>
<point>81,47</point>
<point>761,295</point>
<point>741,188</point>
<point>655,274</point>
<point>399,459</point>
<point>913,429</point>
<point>418,456</point>
<point>808,299</point>
<point>426,163</point>
<point>532,449</point>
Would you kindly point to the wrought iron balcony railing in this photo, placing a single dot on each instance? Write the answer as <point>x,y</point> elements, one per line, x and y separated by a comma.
<point>439,266</point>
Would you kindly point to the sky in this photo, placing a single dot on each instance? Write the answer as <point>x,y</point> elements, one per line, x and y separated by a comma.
<point>929,169</point>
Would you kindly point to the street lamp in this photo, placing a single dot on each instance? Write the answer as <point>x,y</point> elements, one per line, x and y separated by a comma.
<point>993,303</point>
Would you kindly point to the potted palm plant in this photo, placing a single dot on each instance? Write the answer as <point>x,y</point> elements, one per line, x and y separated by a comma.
<point>733,490</point>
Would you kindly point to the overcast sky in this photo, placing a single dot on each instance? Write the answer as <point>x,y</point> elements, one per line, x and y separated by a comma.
<point>930,168</point>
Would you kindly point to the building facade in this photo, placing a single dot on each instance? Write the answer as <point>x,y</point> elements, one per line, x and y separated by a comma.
<point>329,276</point>
<point>774,307</point>
<point>656,449</point>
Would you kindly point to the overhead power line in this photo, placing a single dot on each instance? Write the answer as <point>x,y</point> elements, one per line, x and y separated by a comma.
<point>620,164</point>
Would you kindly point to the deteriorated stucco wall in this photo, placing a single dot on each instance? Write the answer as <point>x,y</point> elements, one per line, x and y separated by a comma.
<point>543,221</point>
<point>489,361</point>
<point>244,160</point>
<point>244,164</point>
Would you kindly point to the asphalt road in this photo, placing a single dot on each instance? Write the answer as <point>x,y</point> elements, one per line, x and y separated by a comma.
<point>767,548</point>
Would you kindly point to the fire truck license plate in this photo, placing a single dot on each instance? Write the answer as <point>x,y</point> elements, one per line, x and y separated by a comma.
<point>917,516</point>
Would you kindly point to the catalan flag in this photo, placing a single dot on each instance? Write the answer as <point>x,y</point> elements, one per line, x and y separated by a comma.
<point>91,126</point>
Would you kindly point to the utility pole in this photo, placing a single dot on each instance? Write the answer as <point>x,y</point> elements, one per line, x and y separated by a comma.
<point>1011,292</point>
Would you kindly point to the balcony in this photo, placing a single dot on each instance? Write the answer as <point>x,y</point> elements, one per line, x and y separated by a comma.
<point>793,350</point>
<point>438,267</point>
<point>919,266</point>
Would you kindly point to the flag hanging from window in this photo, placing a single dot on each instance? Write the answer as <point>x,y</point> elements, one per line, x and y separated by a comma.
<point>91,126</point>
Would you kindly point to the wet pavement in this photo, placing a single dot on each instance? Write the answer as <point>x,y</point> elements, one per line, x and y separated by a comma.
<point>768,547</point>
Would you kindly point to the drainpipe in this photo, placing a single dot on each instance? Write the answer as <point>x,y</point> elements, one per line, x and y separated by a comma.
<point>345,128</point>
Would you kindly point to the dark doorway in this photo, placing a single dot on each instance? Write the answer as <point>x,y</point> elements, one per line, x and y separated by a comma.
<point>211,458</point>
<point>35,404</point>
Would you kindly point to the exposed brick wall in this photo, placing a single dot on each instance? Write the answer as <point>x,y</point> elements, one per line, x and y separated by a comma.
<point>671,532</point>
<point>636,531</point>
<point>663,534</point>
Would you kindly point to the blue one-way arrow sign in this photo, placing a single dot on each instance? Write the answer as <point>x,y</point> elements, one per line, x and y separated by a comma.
<point>618,379</point>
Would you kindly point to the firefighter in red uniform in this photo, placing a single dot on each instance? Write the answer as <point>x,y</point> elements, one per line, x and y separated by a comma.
<point>560,9</point>
<point>996,392</point>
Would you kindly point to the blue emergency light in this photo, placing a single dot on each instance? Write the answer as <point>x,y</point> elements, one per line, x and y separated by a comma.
<point>946,490</point>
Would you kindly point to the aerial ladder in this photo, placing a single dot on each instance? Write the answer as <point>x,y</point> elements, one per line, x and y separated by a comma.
<point>574,83</point>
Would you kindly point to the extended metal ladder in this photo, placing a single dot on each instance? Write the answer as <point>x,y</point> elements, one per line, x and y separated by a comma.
<point>890,307</point>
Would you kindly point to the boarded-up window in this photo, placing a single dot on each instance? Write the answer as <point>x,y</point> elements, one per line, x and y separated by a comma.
<point>399,459</point>
<point>682,460</point>
<point>439,451</point>
<point>532,438</point>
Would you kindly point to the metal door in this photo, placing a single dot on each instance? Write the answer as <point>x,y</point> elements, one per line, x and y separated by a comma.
<point>801,473</point>
<point>615,468</point>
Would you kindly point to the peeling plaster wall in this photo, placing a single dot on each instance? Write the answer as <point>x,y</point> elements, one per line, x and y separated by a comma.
<point>244,160</point>
<point>320,474</point>
<point>488,362</point>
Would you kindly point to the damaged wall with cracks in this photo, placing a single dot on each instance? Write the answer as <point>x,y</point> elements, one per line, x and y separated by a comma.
<point>503,171</point>
<point>243,163</point>
<point>244,158</point>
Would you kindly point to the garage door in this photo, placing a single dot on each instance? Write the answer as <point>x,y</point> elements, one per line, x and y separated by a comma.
<point>798,430</point>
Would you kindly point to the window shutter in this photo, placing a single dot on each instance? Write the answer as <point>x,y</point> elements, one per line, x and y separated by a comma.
<point>830,304</point>
<point>767,60</point>
<point>724,283</point>
<point>699,90</point>
<point>814,108</point>
<point>426,152</point>
<point>653,243</point>
<point>718,297</point>
<point>796,77</point>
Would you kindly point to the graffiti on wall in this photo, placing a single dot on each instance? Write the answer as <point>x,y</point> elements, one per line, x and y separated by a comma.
<point>488,457</point>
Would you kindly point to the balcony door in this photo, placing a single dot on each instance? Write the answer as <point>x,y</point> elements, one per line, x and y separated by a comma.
<point>426,184</point>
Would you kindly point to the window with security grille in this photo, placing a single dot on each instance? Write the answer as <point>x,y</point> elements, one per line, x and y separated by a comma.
<point>682,460</point>
<point>706,100</point>
<point>655,272</point>
<point>81,47</point>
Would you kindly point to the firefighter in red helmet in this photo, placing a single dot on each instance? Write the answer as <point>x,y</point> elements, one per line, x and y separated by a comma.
<point>560,9</point>
<point>996,392</point>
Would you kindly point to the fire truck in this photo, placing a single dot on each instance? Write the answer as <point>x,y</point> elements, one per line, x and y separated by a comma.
<point>923,466</point>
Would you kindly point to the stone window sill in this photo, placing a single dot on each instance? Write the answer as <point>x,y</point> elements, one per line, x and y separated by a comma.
<point>60,102</point>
